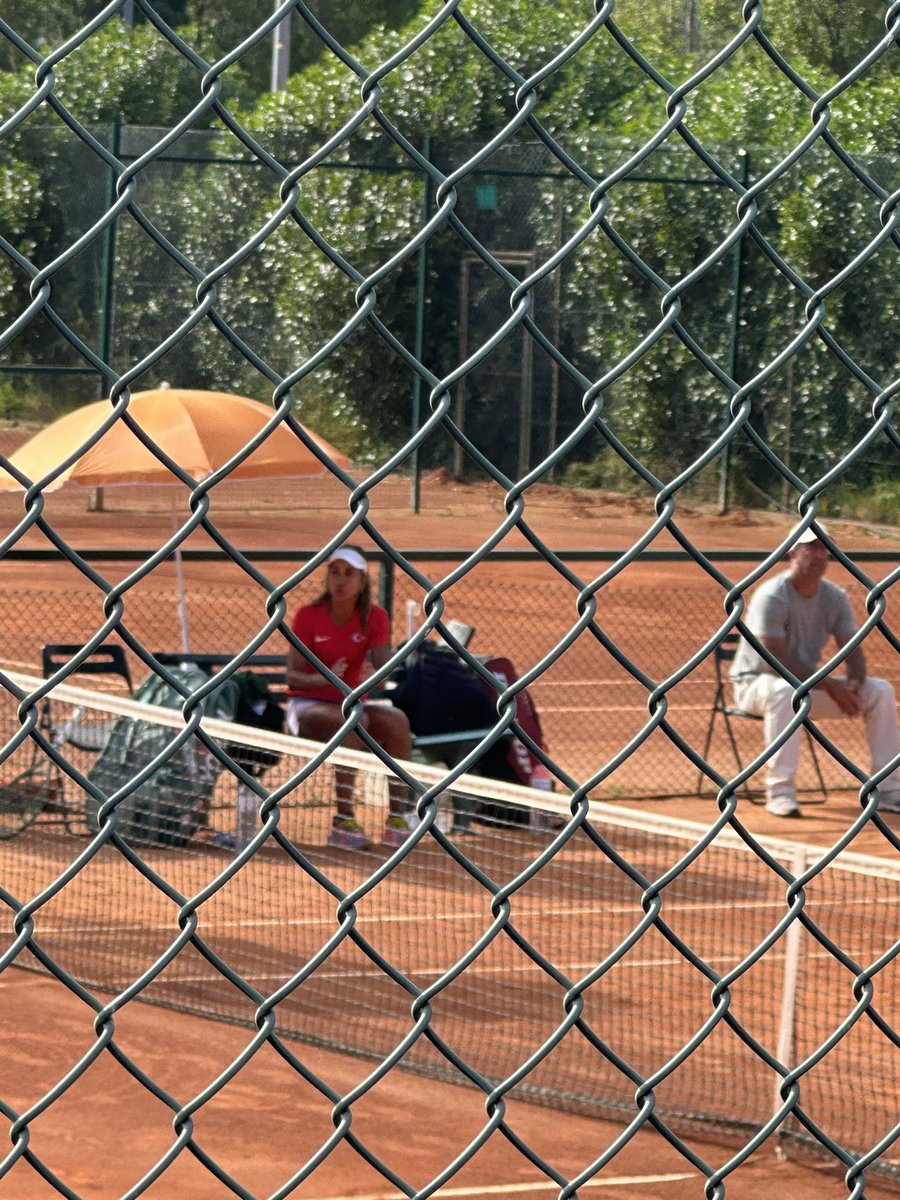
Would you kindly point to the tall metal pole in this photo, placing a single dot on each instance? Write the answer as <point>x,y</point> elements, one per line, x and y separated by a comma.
<point>788,433</point>
<point>107,265</point>
<point>526,398</point>
<point>459,404</point>
<point>107,280</point>
<point>281,52</point>
<point>737,268</point>
<point>419,337</point>
<point>557,329</point>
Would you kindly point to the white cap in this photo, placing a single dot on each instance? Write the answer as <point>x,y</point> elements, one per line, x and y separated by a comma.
<point>809,534</point>
<point>348,555</point>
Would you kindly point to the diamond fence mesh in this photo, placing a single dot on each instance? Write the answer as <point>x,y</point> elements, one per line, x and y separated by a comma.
<point>508,244</point>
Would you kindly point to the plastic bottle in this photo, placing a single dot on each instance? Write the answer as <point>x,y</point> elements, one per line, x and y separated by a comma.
<point>246,817</point>
<point>541,778</point>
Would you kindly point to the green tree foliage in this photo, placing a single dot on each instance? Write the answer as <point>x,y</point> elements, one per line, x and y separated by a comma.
<point>221,27</point>
<point>289,301</point>
<point>817,219</point>
<point>830,35</point>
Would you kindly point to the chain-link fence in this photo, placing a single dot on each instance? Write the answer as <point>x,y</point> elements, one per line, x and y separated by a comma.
<point>519,241</point>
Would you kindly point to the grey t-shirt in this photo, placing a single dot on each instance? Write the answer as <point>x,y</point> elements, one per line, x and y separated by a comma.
<point>778,610</point>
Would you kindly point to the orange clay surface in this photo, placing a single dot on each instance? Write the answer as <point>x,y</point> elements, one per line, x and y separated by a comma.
<point>108,1130</point>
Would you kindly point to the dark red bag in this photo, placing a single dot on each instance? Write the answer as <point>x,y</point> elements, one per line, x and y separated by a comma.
<point>522,766</point>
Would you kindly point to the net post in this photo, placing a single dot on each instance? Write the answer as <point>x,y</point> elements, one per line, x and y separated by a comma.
<point>386,584</point>
<point>412,611</point>
<point>786,1022</point>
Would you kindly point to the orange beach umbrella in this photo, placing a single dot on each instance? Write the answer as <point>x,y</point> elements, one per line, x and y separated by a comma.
<point>199,430</point>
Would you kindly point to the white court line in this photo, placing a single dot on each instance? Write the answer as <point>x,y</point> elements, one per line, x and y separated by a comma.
<point>414,916</point>
<point>509,1189</point>
<point>573,970</point>
<point>544,685</point>
<point>617,708</point>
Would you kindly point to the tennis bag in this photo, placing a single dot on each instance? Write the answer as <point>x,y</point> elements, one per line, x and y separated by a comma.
<point>440,693</point>
<point>511,760</point>
<point>256,706</point>
<point>171,805</point>
<point>521,766</point>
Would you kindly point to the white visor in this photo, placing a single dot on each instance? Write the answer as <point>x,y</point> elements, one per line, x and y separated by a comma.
<point>352,557</point>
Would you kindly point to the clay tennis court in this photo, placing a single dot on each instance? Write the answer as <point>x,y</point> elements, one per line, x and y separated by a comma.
<point>266,1124</point>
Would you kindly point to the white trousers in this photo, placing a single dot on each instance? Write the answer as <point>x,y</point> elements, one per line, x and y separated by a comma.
<point>769,696</point>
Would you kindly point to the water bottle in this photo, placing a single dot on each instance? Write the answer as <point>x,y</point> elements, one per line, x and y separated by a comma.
<point>246,817</point>
<point>541,778</point>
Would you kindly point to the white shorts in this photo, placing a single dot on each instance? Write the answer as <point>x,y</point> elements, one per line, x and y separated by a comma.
<point>296,707</point>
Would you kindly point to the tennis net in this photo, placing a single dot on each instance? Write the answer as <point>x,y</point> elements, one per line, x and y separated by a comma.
<point>586,964</point>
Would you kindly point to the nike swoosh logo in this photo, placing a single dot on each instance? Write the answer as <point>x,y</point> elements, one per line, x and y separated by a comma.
<point>322,637</point>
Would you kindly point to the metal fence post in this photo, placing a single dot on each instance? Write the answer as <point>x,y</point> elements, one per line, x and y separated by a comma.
<point>419,337</point>
<point>281,52</point>
<point>733,347</point>
<point>386,583</point>
<point>107,278</point>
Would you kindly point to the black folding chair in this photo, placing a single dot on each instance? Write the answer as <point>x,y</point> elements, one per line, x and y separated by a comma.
<point>107,659</point>
<point>723,656</point>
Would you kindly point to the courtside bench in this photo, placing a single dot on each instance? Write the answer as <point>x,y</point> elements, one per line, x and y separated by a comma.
<point>446,748</point>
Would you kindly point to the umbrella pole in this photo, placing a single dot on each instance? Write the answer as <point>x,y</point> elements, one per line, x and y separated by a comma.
<point>182,603</point>
<point>182,590</point>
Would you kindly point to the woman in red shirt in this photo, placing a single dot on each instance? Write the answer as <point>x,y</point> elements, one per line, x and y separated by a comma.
<point>351,636</point>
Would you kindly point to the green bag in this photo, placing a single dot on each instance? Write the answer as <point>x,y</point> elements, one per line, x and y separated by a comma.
<point>172,804</point>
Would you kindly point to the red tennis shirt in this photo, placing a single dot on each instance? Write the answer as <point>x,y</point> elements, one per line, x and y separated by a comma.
<point>329,642</point>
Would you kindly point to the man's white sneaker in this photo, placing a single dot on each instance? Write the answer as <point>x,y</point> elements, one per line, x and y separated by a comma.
<point>783,806</point>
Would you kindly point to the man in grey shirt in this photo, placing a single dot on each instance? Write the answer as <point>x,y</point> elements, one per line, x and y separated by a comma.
<point>793,615</point>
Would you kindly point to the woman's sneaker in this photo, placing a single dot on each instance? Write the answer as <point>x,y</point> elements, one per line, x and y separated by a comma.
<point>397,828</point>
<point>347,834</point>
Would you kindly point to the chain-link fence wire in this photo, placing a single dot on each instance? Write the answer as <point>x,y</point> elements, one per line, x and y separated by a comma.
<point>717,398</point>
<point>111,924</point>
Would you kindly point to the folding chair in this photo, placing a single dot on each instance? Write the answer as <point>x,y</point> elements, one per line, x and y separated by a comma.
<point>107,659</point>
<point>723,656</point>
<point>42,788</point>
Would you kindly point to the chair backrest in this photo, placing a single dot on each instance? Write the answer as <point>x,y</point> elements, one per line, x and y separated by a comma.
<point>723,655</point>
<point>461,631</point>
<point>105,659</point>
<point>727,647</point>
<point>270,667</point>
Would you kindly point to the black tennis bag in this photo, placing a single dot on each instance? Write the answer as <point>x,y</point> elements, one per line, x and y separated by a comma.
<point>257,707</point>
<point>440,693</point>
